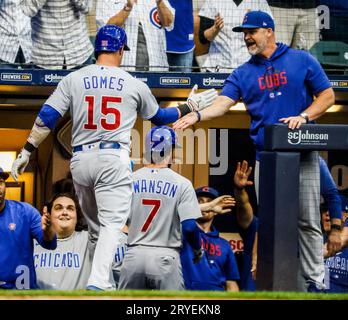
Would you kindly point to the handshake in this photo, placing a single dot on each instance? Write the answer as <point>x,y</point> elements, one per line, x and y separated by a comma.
<point>199,101</point>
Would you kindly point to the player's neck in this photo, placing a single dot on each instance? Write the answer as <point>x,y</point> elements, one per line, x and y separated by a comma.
<point>268,52</point>
<point>157,166</point>
<point>206,225</point>
<point>109,61</point>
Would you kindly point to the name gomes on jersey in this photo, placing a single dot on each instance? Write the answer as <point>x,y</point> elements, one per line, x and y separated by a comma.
<point>103,82</point>
<point>57,260</point>
<point>155,186</point>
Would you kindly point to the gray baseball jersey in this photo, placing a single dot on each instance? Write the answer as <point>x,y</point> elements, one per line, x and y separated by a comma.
<point>161,200</point>
<point>65,268</point>
<point>103,102</point>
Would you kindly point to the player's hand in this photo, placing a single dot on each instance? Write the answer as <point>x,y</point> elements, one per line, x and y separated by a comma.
<point>242,174</point>
<point>294,122</point>
<point>222,204</point>
<point>334,242</point>
<point>20,164</point>
<point>186,121</point>
<point>199,101</point>
<point>46,225</point>
<point>218,24</point>
<point>197,255</point>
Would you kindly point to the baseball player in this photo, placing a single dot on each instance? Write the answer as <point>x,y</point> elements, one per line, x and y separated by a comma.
<point>277,85</point>
<point>20,223</point>
<point>217,270</point>
<point>163,202</point>
<point>104,102</point>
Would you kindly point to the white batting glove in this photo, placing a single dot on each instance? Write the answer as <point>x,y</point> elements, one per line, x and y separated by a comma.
<point>20,164</point>
<point>200,101</point>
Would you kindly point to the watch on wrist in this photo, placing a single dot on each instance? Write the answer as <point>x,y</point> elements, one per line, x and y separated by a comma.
<point>335,226</point>
<point>305,116</point>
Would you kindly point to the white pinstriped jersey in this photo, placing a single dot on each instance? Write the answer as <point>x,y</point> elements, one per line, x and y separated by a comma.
<point>15,31</point>
<point>228,48</point>
<point>103,103</point>
<point>59,31</point>
<point>161,200</point>
<point>144,12</point>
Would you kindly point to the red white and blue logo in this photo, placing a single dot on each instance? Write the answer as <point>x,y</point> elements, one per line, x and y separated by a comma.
<point>12,226</point>
<point>154,18</point>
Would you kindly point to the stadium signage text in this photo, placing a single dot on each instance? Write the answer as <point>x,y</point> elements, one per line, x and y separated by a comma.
<point>212,81</point>
<point>170,81</point>
<point>53,78</point>
<point>16,76</point>
<point>300,137</point>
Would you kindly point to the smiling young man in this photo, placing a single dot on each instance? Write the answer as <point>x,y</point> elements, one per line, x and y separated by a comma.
<point>278,85</point>
<point>69,265</point>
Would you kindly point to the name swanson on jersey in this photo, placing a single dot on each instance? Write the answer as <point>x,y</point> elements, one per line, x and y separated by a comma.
<point>155,186</point>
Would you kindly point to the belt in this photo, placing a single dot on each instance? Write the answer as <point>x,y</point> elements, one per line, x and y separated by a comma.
<point>99,145</point>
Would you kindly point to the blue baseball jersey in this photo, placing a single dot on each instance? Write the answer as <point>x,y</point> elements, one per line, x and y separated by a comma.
<point>180,38</point>
<point>329,191</point>
<point>274,88</point>
<point>20,223</point>
<point>246,282</point>
<point>338,271</point>
<point>217,266</point>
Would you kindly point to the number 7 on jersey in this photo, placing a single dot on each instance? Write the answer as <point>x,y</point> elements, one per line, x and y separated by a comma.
<point>156,204</point>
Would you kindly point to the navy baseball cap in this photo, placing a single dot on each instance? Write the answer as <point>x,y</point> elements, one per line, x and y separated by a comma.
<point>4,175</point>
<point>207,192</point>
<point>254,20</point>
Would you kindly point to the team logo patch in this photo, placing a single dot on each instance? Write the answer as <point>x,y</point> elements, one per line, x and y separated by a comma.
<point>12,226</point>
<point>104,43</point>
<point>154,18</point>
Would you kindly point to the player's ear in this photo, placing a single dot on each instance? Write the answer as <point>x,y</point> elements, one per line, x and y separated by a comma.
<point>121,51</point>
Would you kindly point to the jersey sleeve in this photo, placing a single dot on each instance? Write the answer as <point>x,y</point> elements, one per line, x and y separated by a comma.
<point>230,266</point>
<point>208,10</point>
<point>316,77</point>
<point>105,9</point>
<point>148,105</point>
<point>231,87</point>
<point>61,97</point>
<point>188,206</point>
<point>329,191</point>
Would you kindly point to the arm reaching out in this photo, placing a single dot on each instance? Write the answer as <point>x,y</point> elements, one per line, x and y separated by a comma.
<point>220,205</point>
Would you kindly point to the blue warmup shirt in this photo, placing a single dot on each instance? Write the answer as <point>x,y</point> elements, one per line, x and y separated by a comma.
<point>20,223</point>
<point>279,87</point>
<point>338,268</point>
<point>246,282</point>
<point>329,191</point>
<point>217,266</point>
<point>180,39</point>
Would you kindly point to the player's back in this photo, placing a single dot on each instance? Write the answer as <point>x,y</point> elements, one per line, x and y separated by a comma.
<point>161,200</point>
<point>103,102</point>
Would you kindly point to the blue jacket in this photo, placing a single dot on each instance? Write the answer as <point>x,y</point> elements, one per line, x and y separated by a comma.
<point>20,223</point>
<point>217,266</point>
<point>274,88</point>
<point>329,191</point>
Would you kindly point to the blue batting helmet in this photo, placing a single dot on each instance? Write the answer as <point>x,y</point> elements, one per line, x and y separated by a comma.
<point>110,38</point>
<point>161,138</point>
